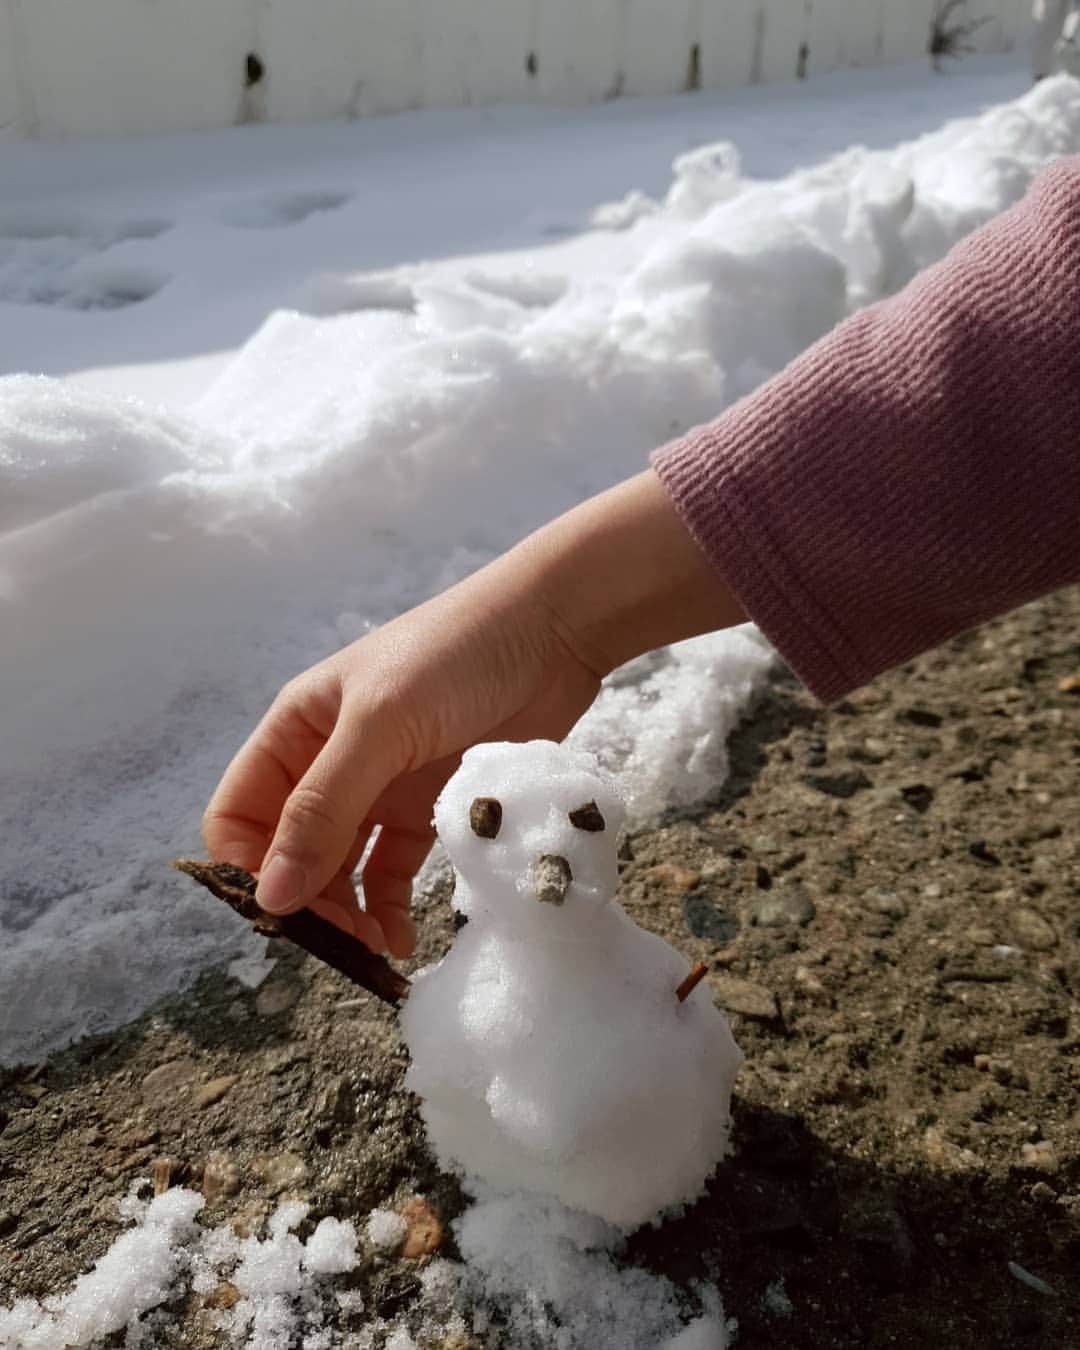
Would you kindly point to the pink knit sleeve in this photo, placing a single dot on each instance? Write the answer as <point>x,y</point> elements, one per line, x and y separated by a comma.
<point>915,472</point>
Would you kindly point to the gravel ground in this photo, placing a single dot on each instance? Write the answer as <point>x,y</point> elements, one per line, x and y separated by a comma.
<point>887,894</point>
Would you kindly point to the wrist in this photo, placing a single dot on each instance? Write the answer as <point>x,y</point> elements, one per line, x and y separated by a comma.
<point>621,575</point>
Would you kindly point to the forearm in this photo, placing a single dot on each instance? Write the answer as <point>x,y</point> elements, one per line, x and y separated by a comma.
<point>918,470</point>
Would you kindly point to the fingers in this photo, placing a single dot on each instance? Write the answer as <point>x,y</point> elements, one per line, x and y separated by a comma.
<point>396,857</point>
<point>316,834</point>
<point>340,906</point>
<point>239,822</point>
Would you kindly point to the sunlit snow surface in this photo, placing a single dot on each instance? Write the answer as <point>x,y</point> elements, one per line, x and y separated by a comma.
<point>163,569</point>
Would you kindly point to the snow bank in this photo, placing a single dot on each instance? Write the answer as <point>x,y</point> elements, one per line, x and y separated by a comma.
<point>162,575</point>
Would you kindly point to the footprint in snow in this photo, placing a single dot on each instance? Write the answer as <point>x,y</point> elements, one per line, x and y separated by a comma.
<point>52,256</point>
<point>281,209</point>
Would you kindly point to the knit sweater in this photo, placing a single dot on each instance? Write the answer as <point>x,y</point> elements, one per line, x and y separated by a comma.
<point>915,472</point>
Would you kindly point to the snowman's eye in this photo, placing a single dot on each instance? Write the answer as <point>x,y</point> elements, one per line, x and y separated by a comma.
<point>485,816</point>
<point>587,817</point>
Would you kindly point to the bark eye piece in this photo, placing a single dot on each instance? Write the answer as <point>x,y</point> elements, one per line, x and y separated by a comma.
<point>587,817</point>
<point>485,816</point>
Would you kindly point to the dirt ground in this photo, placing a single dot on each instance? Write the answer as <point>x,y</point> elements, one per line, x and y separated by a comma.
<point>887,894</point>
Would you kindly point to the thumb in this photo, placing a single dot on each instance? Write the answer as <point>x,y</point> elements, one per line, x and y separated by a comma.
<point>319,821</point>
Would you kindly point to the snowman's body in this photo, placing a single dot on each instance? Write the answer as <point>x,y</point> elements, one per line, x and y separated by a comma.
<point>549,1048</point>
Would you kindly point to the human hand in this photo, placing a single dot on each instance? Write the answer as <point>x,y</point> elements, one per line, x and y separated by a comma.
<point>364,741</point>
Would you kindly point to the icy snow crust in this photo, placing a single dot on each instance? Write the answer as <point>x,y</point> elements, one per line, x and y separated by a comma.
<point>161,574</point>
<point>548,1048</point>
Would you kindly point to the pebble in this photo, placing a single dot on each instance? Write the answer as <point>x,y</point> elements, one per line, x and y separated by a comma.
<point>277,996</point>
<point>1041,1155</point>
<point>1069,685</point>
<point>707,922</point>
<point>672,877</point>
<point>220,1177</point>
<point>223,1296</point>
<point>162,1174</point>
<point>424,1230</point>
<point>163,1082</point>
<point>888,903</point>
<point>280,1171</point>
<point>841,785</point>
<point>743,996</point>
<point>214,1090</point>
<point>1032,931</point>
<point>810,986</point>
<point>783,908</point>
<point>336,1103</point>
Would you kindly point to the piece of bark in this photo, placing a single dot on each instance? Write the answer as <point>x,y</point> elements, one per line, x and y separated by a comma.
<point>316,935</point>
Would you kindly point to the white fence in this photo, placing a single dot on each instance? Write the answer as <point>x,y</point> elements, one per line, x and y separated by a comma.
<point>104,67</point>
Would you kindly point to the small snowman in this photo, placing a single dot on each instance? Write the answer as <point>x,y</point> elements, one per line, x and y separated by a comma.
<point>555,1049</point>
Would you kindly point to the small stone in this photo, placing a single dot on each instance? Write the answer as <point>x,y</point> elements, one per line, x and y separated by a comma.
<point>214,1090</point>
<point>919,796</point>
<point>707,922</point>
<point>1032,931</point>
<point>1069,685</point>
<point>920,717</point>
<point>841,785</point>
<point>277,995</point>
<point>784,908</point>
<point>280,1171</point>
<point>220,1177</point>
<point>161,1172</point>
<point>810,986</point>
<point>485,817</point>
<point>167,1079</point>
<point>743,996</point>
<point>424,1230</point>
<point>336,1103</point>
<point>890,904</point>
<point>671,877</point>
<point>223,1297</point>
<point>1042,1156</point>
<point>941,1152</point>
<point>247,1222</point>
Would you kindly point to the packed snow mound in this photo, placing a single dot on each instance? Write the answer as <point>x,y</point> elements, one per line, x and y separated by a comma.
<point>552,1276</point>
<point>162,576</point>
<point>550,1050</point>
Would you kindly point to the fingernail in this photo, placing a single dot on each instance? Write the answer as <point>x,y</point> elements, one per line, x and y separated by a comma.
<point>281,884</point>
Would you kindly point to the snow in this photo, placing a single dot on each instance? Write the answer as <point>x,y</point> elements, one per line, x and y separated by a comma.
<point>283,1285</point>
<point>139,1271</point>
<point>552,1276</point>
<point>304,430</point>
<point>385,1229</point>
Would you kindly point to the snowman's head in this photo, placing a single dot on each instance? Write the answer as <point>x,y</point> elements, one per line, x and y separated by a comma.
<point>532,831</point>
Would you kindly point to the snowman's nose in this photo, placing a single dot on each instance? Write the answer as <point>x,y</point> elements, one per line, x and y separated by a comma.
<point>551,878</point>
